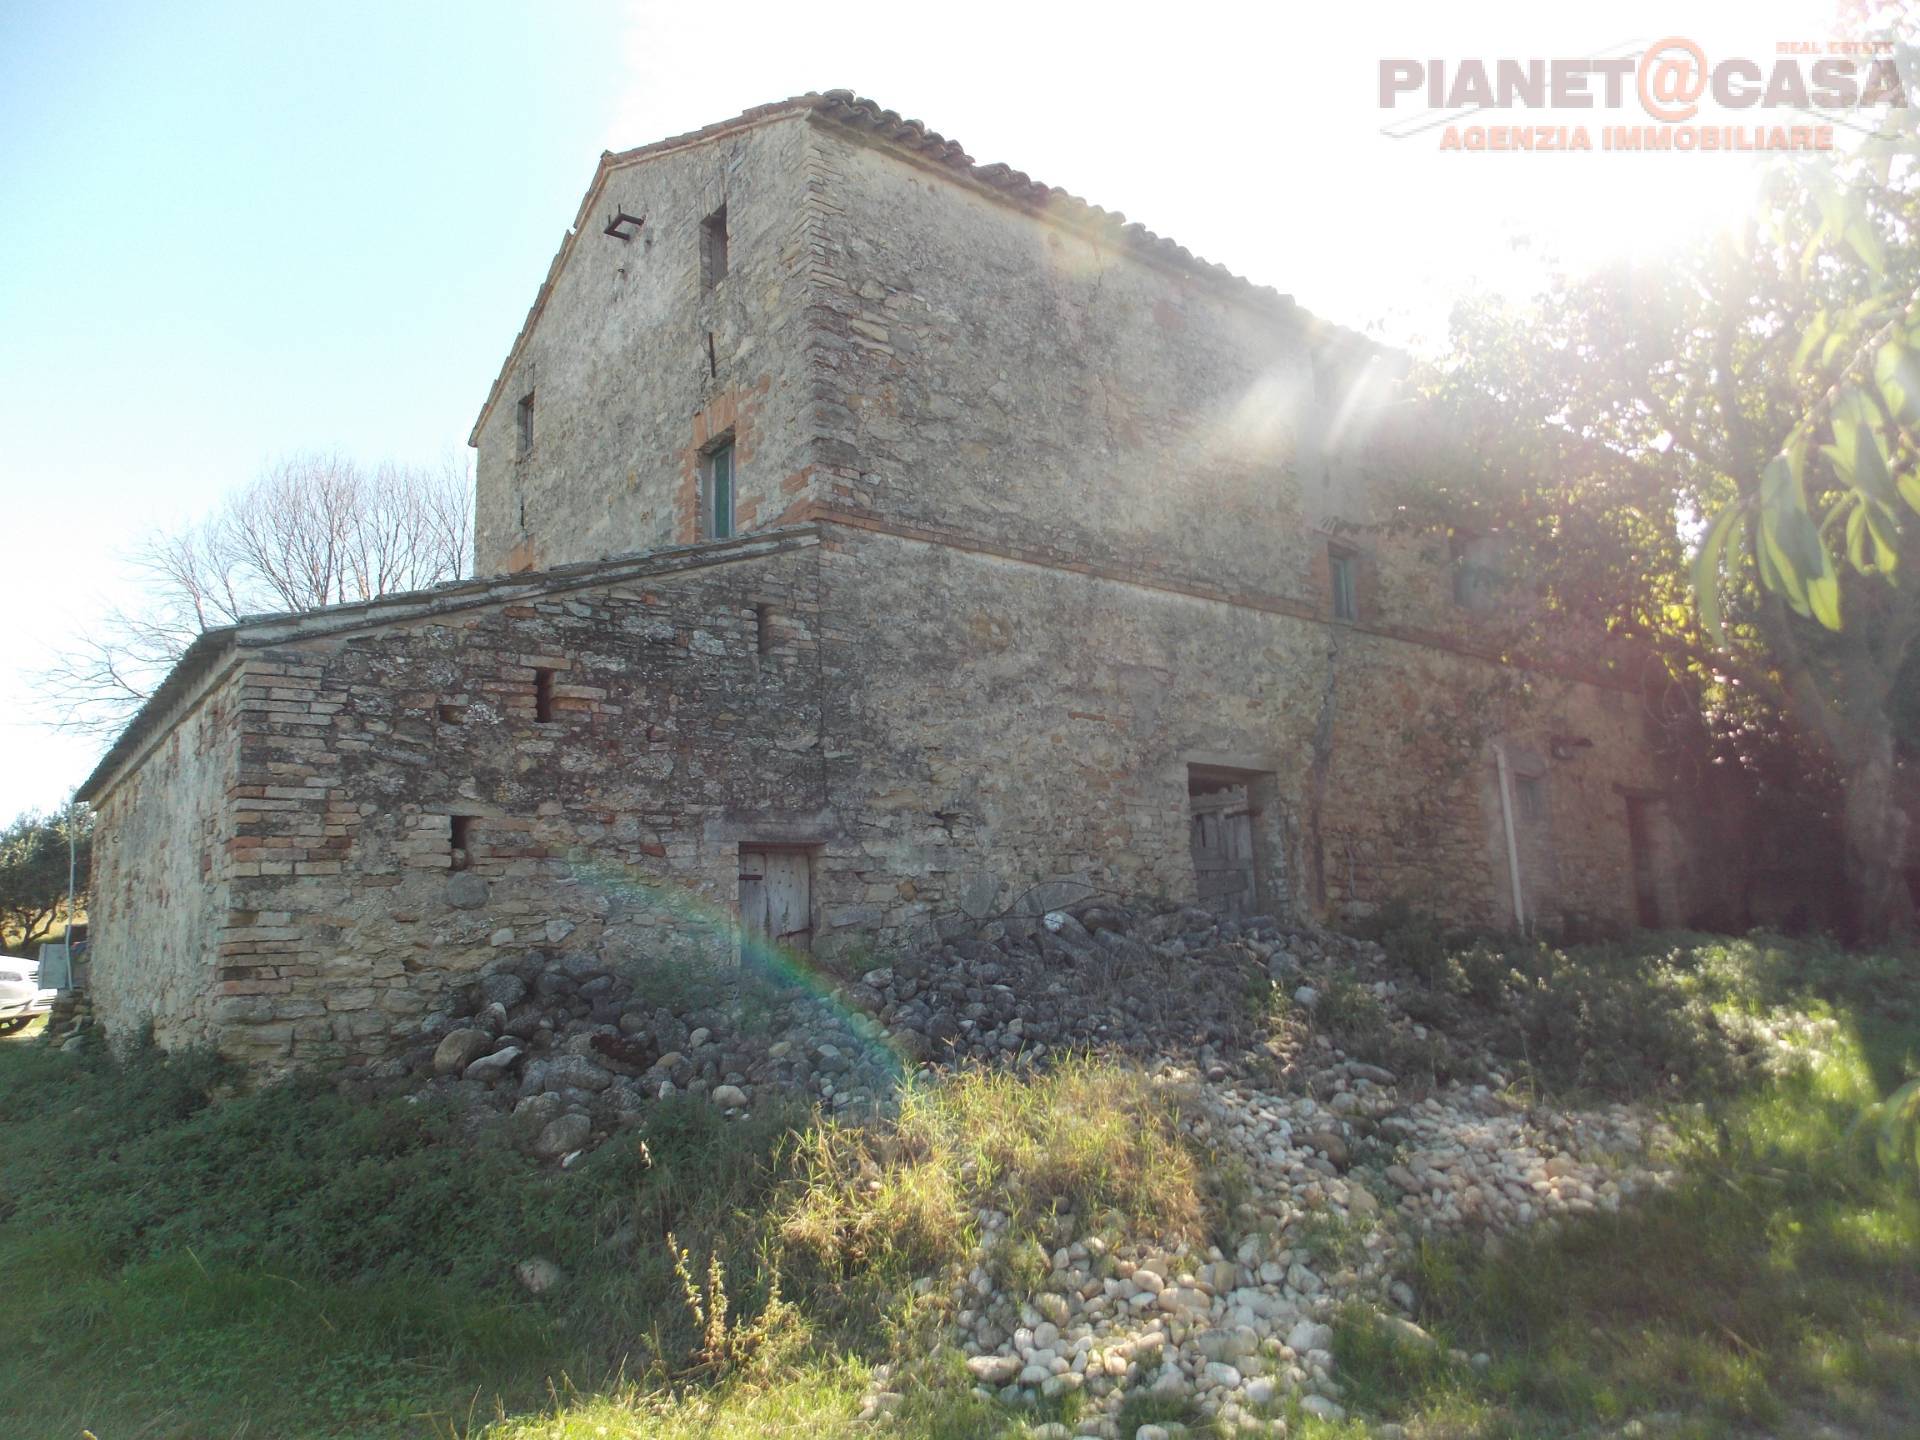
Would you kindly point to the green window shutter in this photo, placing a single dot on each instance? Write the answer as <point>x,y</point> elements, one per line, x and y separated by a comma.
<point>1340,571</point>
<point>720,492</point>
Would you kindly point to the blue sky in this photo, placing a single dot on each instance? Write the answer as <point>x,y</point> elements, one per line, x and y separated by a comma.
<point>232,231</point>
<point>226,234</point>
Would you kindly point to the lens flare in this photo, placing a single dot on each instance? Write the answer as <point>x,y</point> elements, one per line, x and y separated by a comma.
<point>760,958</point>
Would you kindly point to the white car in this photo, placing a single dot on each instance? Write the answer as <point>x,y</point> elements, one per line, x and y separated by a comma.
<point>21,997</point>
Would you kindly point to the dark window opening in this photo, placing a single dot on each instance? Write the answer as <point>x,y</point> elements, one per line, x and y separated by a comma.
<point>1477,569</point>
<point>713,248</point>
<point>1341,565</point>
<point>1530,796</point>
<point>451,714</point>
<point>543,695</point>
<point>763,628</point>
<point>460,840</point>
<point>523,419</point>
<point>718,507</point>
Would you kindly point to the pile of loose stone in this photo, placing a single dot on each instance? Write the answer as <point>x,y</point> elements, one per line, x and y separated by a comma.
<point>1098,976</point>
<point>1344,1179</point>
<point>567,1044</point>
<point>1346,1166</point>
<point>573,1051</point>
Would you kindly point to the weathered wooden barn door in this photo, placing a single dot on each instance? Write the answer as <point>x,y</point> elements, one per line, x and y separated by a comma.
<point>1223,848</point>
<point>776,897</point>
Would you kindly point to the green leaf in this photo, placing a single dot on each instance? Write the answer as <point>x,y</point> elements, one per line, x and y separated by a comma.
<point>1800,569</point>
<point>1801,540</point>
<point>1823,595</point>
<point>1870,474</point>
<point>1837,514</point>
<point>1777,483</point>
<point>1856,537</point>
<point>1897,372</point>
<point>1706,571</point>
<point>1777,569</point>
<point>1851,410</point>
<point>1874,308</point>
<point>1809,570</point>
<point>1801,537</point>
<point>1780,497</point>
<point>1770,575</point>
<point>1816,332</point>
<point>1865,241</point>
<point>1884,530</point>
<point>1842,462</point>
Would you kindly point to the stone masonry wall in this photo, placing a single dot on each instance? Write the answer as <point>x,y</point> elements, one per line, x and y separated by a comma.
<point>1029,527</point>
<point>160,868</point>
<point>636,366</point>
<point>685,719</point>
<point>1019,381</point>
<point>983,374</point>
<point>952,734</point>
<point>1017,724</point>
<point>995,385</point>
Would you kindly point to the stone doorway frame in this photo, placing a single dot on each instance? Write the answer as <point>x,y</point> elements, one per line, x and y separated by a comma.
<point>1266,818</point>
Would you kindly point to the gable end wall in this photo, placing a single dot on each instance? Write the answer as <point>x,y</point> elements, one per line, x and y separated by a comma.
<point>162,871</point>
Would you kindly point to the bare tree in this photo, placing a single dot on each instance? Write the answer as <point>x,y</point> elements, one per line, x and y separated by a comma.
<point>311,530</point>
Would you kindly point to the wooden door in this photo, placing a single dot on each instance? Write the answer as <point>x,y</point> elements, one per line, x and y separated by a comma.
<point>1223,851</point>
<point>776,897</point>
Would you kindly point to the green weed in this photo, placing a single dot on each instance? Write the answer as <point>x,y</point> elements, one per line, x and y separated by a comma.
<point>184,1258</point>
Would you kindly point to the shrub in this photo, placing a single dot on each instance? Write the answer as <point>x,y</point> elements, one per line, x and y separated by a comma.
<point>1652,1014</point>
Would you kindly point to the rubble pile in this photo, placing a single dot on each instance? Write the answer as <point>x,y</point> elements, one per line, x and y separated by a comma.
<point>1347,1164</point>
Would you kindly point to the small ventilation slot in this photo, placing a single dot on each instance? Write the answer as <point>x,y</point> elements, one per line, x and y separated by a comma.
<point>460,840</point>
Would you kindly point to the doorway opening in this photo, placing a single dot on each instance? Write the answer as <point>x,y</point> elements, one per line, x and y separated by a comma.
<point>776,898</point>
<point>1644,816</point>
<point>1229,812</point>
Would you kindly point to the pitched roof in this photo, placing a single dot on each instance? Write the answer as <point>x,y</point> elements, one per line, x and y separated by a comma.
<point>886,126</point>
<point>912,138</point>
<point>213,647</point>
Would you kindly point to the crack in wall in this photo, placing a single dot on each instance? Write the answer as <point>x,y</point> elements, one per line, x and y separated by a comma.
<point>1319,772</point>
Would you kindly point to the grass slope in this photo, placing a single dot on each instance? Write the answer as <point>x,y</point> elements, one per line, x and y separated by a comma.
<point>179,1260</point>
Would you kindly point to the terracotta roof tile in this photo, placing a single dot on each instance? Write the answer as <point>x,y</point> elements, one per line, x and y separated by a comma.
<point>890,128</point>
<point>858,113</point>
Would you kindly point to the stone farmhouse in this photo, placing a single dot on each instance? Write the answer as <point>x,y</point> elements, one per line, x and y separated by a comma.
<point>870,544</point>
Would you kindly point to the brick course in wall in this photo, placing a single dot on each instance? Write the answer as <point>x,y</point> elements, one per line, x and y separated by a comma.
<point>1034,518</point>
